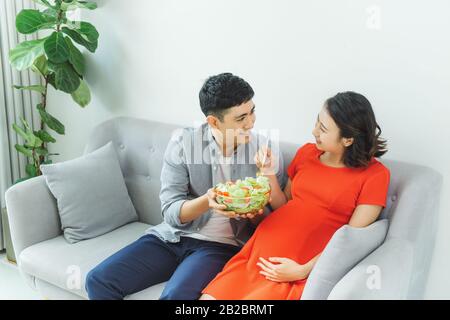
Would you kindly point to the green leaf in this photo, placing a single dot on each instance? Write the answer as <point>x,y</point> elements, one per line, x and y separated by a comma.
<point>85,29</point>
<point>50,13</point>
<point>75,57</point>
<point>88,31</point>
<point>44,136</point>
<point>28,135</point>
<point>34,141</point>
<point>74,4</point>
<point>37,88</point>
<point>78,38</point>
<point>23,56</point>
<point>41,151</point>
<point>69,5</point>
<point>87,5</point>
<point>50,121</point>
<point>20,131</point>
<point>24,150</point>
<point>66,78</point>
<point>51,80</point>
<point>52,67</point>
<point>31,170</point>
<point>43,2</point>
<point>29,21</point>
<point>56,48</point>
<point>82,95</point>
<point>40,66</point>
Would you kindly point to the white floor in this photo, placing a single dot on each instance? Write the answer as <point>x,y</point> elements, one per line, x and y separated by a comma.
<point>12,285</point>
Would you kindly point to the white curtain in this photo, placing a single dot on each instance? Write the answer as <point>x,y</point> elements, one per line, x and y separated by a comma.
<point>14,104</point>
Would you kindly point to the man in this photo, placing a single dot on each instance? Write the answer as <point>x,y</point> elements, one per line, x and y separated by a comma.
<point>198,236</point>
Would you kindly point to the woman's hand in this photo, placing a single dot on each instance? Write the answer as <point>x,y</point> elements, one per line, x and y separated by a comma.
<point>268,166</point>
<point>282,269</point>
<point>265,161</point>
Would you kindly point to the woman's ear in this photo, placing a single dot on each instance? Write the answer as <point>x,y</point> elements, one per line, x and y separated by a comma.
<point>347,142</point>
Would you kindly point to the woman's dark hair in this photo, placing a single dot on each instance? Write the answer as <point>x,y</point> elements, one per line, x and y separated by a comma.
<point>222,92</point>
<point>355,118</point>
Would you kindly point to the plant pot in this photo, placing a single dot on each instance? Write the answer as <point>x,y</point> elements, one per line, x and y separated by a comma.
<point>7,236</point>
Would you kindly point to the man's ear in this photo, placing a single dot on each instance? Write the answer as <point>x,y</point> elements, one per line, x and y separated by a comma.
<point>212,121</point>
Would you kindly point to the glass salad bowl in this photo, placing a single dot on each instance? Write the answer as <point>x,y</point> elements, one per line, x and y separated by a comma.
<point>246,196</point>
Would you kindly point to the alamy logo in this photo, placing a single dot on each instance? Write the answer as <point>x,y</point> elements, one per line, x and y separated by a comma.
<point>374,280</point>
<point>73,281</point>
<point>373,21</point>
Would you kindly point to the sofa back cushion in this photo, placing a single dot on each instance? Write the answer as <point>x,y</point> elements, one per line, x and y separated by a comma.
<point>140,145</point>
<point>91,195</point>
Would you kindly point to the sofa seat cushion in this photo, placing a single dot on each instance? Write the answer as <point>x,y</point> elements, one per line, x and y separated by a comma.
<point>66,265</point>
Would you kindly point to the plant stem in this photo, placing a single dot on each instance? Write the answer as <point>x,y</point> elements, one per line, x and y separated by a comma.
<point>44,105</point>
<point>37,163</point>
<point>58,26</point>
<point>44,99</point>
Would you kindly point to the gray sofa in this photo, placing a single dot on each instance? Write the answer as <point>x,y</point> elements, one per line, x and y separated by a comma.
<point>58,269</point>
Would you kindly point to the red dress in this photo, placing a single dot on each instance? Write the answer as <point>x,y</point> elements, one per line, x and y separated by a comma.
<point>323,200</point>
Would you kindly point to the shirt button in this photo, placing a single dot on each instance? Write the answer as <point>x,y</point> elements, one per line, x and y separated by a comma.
<point>198,229</point>
<point>215,167</point>
<point>393,198</point>
<point>122,146</point>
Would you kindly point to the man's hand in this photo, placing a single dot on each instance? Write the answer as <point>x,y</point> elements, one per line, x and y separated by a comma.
<point>252,215</point>
<point>221,208</point>
<point>218,208</point>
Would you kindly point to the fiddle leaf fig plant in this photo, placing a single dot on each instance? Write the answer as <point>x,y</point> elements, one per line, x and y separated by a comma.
<point>58,61</point>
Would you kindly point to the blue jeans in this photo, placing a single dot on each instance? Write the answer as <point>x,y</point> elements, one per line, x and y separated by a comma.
<point>188,266</point>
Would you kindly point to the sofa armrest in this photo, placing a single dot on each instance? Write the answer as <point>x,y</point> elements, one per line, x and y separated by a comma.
<point>384,274</point>
<point>32,213</point>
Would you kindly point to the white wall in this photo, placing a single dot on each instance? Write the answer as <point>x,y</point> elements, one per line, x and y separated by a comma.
<point>154,56</point>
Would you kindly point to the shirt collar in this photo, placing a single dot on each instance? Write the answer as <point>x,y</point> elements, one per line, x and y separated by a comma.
<point>215,146</point>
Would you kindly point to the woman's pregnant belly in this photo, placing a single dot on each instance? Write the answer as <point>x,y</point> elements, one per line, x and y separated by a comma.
<point>298,231</point>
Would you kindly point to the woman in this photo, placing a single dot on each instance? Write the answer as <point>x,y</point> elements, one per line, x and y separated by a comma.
<point>334,182</point>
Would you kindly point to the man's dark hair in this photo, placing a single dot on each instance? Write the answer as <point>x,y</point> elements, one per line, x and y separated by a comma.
<point>355,118</point>
<point>222,92</point>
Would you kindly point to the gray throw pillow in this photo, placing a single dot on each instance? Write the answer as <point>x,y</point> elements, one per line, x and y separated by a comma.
<point>347,247</point>
<point>91,194</point>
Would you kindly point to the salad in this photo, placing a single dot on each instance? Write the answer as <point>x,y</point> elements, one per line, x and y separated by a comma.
<point>244,196</point>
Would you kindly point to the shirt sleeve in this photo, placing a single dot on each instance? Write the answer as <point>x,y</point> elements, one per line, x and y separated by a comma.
<point>375,188</point>
<point>174,183</point>
<point>293,166</point>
